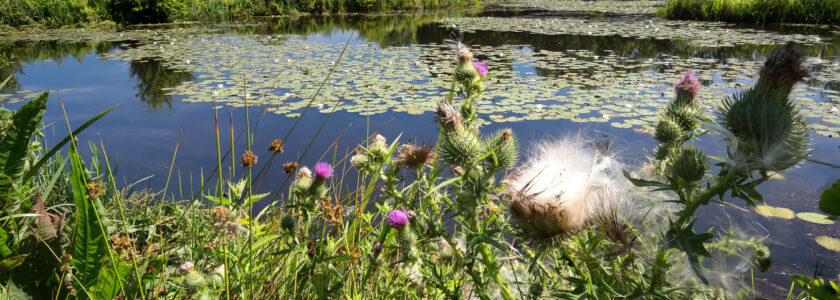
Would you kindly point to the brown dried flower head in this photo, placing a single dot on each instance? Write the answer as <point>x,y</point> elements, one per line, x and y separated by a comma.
<point>413,156</point>
<point>783,68</point>
<point>249,159</point>
<point>276,146</point>
<point>448,116</point>
<point>220,213</point>
<point>464,53</point>
<point>506,134</point>
<point>95,190</point>
<point>290,167</point>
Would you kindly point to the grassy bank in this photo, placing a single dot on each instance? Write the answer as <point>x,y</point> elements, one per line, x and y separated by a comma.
<point>57,13</point>
<point>755,11</point>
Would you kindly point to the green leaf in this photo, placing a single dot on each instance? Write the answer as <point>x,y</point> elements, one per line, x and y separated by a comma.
<point>830,200</point>
<point>15,145</point>
<point>643,183</point>
<point>12,262</point>
<point>89,247</point>
<point>815,218</point>
<point>108,285</point>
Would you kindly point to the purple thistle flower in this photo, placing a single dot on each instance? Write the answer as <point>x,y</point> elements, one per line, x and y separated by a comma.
<point>481,67</point>
<point>323,170</point>
<point>397,218</point>
<point>687,85</point>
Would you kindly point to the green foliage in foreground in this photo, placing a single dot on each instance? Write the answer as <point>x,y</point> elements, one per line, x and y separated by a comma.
<point>755,11</point>
<point>418,222</point>
<point>57,13</point>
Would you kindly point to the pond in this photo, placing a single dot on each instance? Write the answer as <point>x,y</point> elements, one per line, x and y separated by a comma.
<point>583,69</point>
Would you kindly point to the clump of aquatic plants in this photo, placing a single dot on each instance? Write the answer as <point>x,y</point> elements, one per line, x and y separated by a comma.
<point>457,218</point>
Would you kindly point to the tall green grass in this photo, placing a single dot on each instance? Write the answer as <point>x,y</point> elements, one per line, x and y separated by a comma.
<point>755,11</point>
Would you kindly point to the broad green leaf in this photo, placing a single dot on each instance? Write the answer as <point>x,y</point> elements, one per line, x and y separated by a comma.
<point>12,262</point>
<point>15,145</point>
<point>108,286</point>
<point>89,247</point>
<point>830,200</point>
<point>775,212</point>
<point>816,218</point>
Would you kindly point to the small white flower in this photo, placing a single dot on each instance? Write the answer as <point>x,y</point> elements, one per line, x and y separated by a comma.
<point>833,110</point>
<point>539,106</point>
<point>628,105</point>
<point>215,93</point>
<point>220,85</point>
<point>286,95</point>
<point>187,61</point>
<point>320,105</point>
<point>605,116</point>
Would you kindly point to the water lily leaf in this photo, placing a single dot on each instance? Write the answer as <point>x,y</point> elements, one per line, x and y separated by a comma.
<point>830,200</point>
<point>829,243</point>
<point>816,218</point>
<point>776,212</point>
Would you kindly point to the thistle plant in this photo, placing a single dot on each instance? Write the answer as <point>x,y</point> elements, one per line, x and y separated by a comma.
<point>764,132</point>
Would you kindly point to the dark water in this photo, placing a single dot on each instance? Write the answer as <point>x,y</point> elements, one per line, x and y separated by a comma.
<point>141,134</point>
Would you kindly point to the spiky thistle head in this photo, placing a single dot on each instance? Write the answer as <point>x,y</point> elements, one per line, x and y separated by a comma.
<point>669,132</point>
<point>687,116</point>
<point>415,156</point>
<point>323,170</point>
<point>688,164</point>
<point>397,218</point>
<point>461,148</point>
<point>687,87</point>
<point>504,147</point>
<point>765,128</point>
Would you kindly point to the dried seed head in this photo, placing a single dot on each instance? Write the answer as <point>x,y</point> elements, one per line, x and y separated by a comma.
<point>186,267</point>
<point>220,213</point>
<point>290,167</point>
<point>304,173</point>
<point>448,116</point>
<point>464,53</point>
<point>783,68</point>
<point>413,156</point>
<point>506,134</point>
<point>249,159</point>
<point>379,139</point>
<point>276,146</point>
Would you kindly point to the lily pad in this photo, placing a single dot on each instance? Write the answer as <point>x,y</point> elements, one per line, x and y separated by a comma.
<point>830,200</point>
<point>829,243</point>
<point>816,218</point>
<point>776,212</point>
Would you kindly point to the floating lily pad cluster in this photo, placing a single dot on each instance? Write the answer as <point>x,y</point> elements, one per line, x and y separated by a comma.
<point>282,72</point>
<point>621,7</point>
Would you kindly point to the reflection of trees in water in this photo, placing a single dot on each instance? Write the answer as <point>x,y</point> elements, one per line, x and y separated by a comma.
<point>154,81</point>
<point>14,55</point>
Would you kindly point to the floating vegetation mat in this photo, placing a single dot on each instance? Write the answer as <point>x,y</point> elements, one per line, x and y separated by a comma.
<point>282,72</point>
<point>619,7</point>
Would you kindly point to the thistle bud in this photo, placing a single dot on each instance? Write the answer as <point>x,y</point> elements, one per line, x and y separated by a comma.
<point>406,237</point>
<point>461,148</point>
<point>194,281</point>
<point>669,132</point>
<point>301,186</point>
<point>688,164</point>
<point>287,223</point>
<point>505,149</point>
<point>360,161</point>
<point>684,115</point>
<point>304,173</point>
